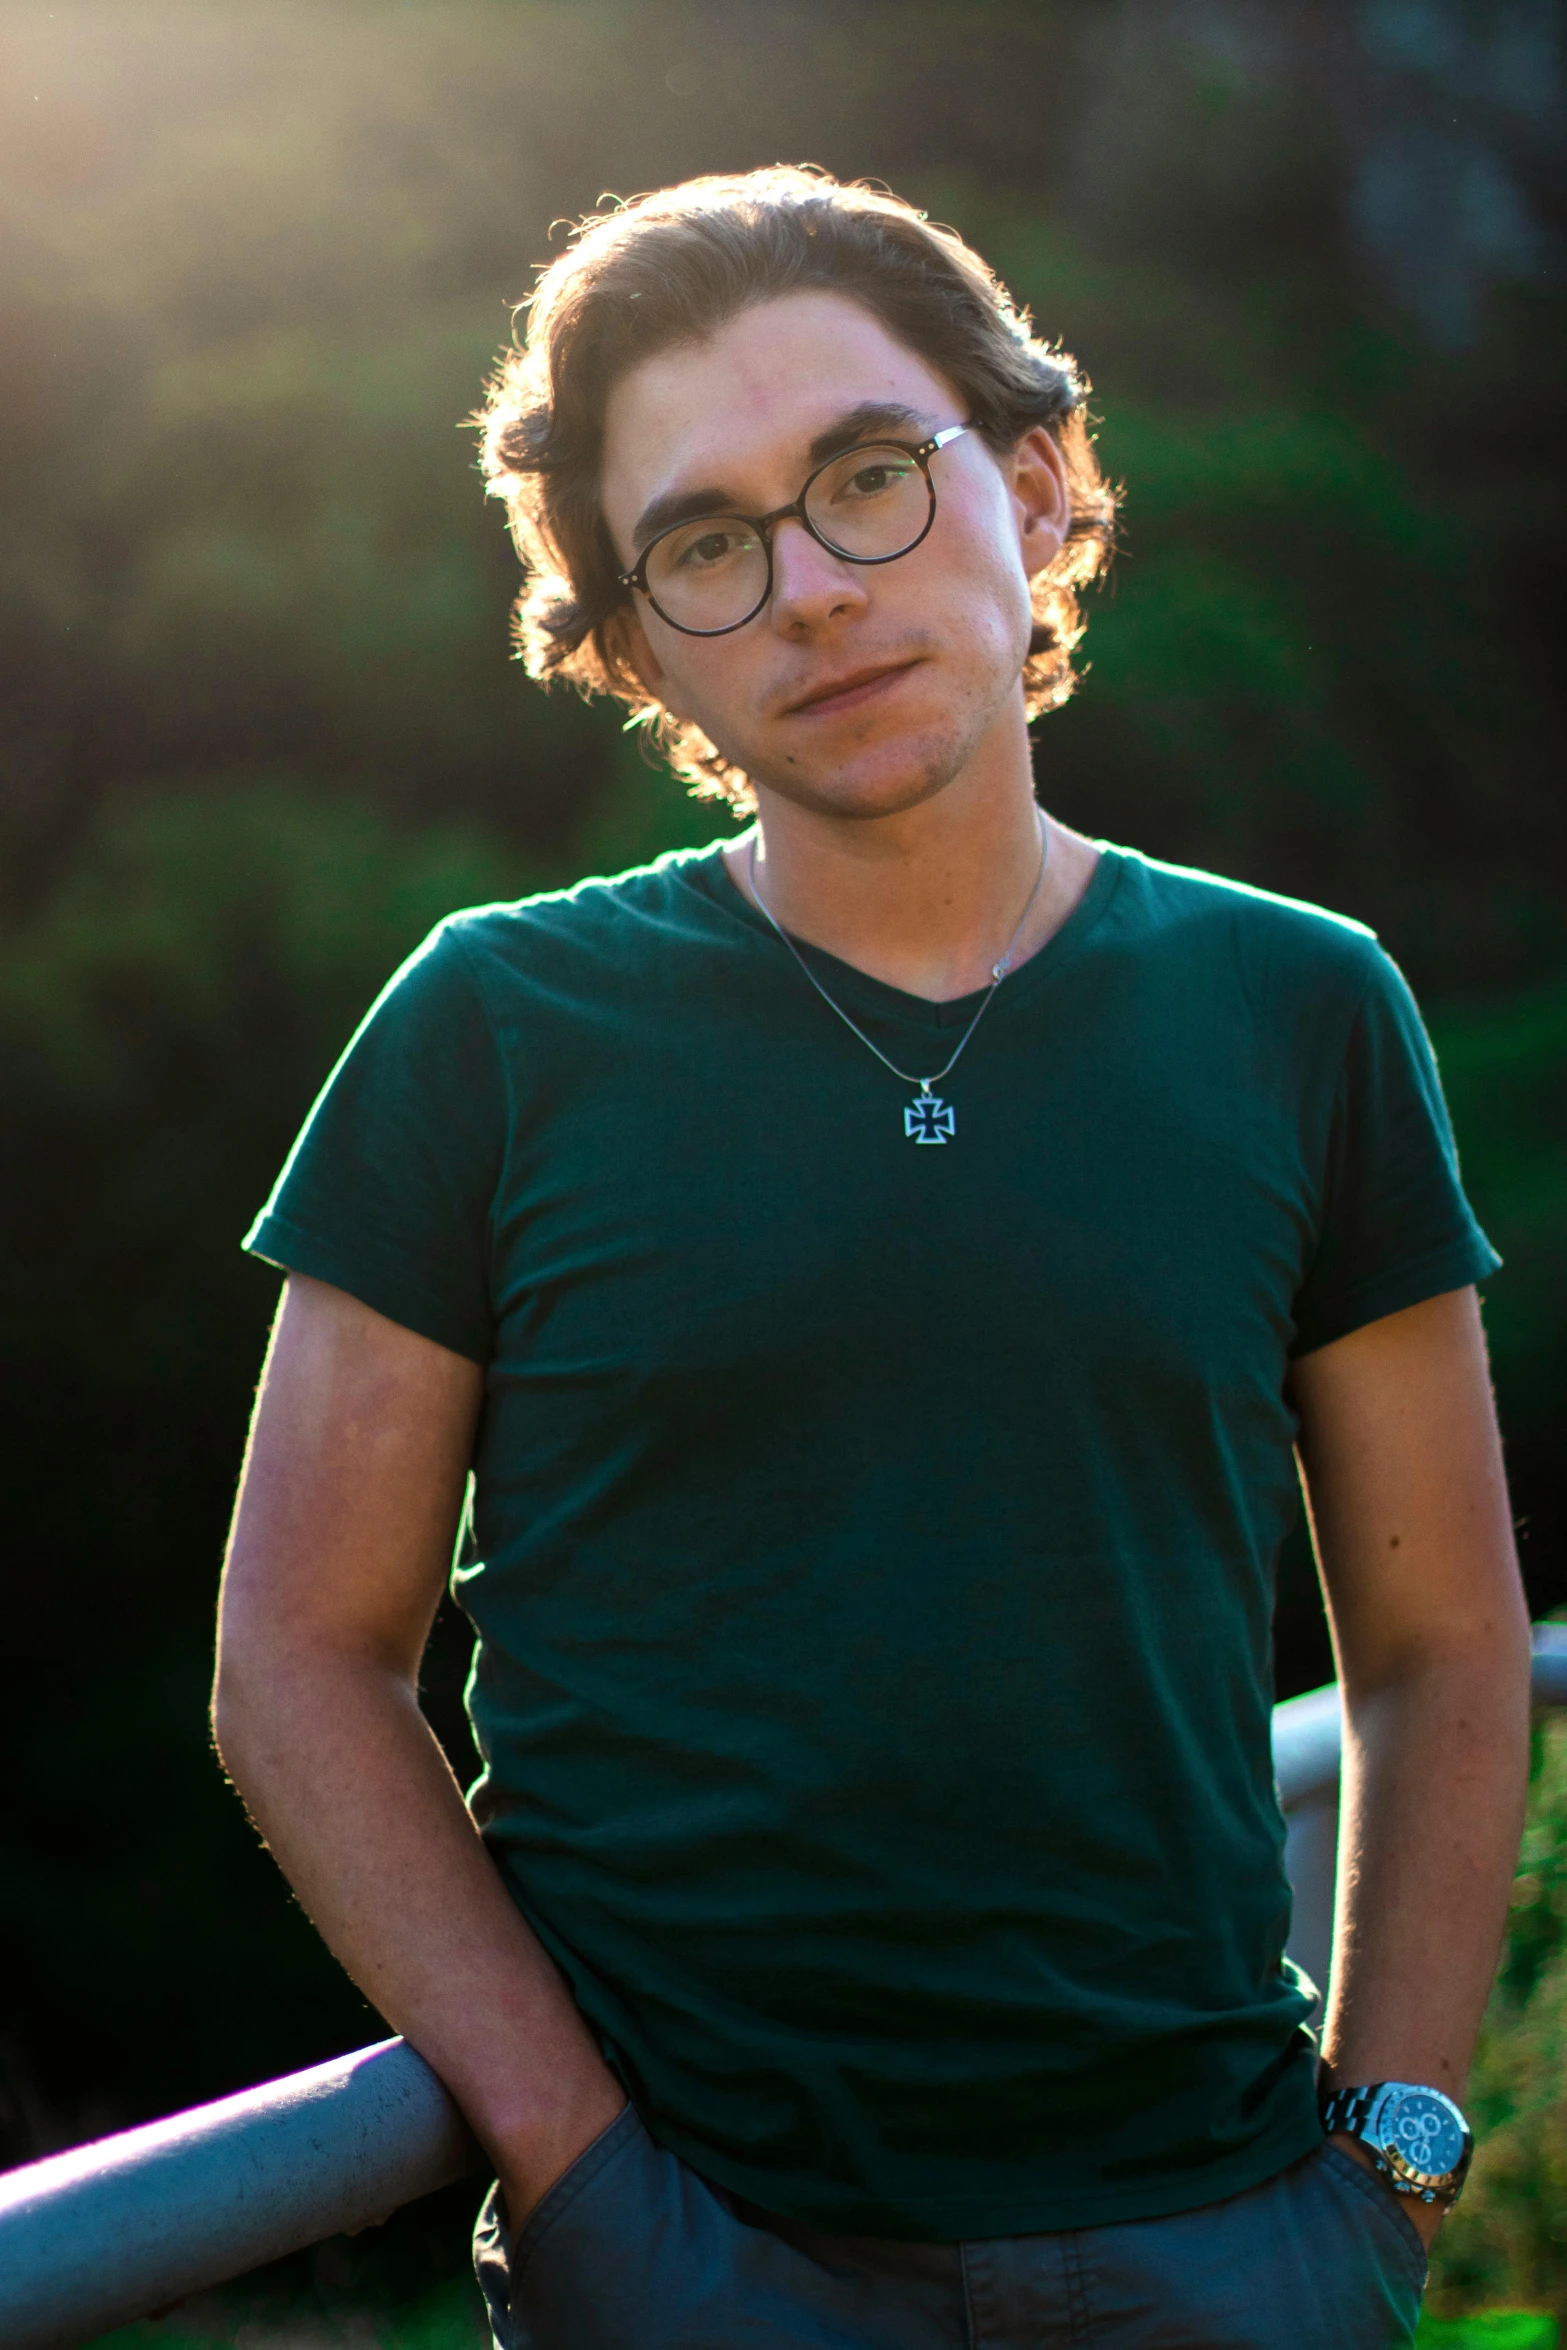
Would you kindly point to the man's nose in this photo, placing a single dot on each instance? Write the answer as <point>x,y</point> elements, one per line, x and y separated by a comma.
<point>810,583</point>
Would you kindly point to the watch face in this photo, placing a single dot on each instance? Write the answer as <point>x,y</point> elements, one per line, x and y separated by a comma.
<point>1421,2135</point>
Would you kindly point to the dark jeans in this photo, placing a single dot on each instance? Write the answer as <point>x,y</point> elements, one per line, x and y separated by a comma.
<point>632,2250</point>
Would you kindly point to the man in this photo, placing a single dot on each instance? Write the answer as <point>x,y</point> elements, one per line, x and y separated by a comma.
<point>878,1274</point>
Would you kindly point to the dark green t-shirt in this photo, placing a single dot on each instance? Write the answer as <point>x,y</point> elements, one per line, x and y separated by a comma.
<point>873,1543</point>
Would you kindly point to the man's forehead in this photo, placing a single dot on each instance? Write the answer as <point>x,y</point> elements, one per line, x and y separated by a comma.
<point>761,391</point>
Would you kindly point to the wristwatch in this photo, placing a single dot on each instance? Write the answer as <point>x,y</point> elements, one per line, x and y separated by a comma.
<point>1417,2138</point>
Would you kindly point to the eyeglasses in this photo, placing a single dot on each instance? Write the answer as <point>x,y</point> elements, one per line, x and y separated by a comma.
<point>871,504</point>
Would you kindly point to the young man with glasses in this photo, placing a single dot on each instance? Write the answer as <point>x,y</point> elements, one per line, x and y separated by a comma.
<point>878,1274</point>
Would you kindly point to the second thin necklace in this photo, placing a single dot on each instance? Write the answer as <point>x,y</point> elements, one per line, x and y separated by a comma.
<point>926,1118</point>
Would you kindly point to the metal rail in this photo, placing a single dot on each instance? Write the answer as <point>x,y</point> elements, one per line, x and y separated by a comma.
<point>116,2230</point>
<point>109,2232</point>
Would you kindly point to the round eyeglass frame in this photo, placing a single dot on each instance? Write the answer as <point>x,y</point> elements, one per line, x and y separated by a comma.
<point>764,525</point>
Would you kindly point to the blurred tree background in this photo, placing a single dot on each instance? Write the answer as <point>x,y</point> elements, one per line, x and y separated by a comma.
<point>260,728</point>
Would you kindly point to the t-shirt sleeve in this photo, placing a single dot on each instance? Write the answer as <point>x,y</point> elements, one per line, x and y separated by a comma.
<point>388,1191</point>
<point>1395,1226</point>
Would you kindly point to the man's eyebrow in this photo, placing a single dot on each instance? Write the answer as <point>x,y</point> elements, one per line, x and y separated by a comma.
<point>678,506</point>
<point>864,423</point>
<point>856,424</point>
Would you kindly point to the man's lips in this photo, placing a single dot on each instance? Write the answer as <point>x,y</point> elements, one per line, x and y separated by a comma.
<point>850,691</point>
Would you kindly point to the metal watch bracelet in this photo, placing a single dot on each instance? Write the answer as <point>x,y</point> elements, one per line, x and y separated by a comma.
<point>1416,2136</point>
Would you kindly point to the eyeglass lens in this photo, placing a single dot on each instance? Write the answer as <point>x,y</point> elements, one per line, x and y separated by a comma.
<point>870,504</point>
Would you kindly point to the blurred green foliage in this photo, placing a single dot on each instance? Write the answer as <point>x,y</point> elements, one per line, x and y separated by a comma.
<point>260,729</point>
<point>1515,2329</point>
<point>1508,2237</point>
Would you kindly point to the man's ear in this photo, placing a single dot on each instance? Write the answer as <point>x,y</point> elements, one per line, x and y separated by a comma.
<point>1041,498</point>
<point>628,641</point>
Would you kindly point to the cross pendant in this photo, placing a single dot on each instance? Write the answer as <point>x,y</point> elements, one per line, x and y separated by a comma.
<point>928,1119</point>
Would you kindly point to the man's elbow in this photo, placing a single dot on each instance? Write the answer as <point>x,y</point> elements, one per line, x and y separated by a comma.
<point>281,1684</point>
<point>261,1672</point>
<point>238,1700</point>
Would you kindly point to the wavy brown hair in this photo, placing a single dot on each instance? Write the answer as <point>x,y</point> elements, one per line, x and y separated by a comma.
<point>673,268</point>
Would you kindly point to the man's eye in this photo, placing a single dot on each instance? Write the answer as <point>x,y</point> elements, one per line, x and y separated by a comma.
<point>714,546</point>
<point>878,478</point>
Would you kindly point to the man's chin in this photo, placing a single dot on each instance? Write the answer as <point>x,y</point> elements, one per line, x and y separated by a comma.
<point>861,790</point>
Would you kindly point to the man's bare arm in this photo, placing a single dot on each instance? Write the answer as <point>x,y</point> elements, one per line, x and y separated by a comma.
<point>341,1544</point>
<point>1408,1500</point>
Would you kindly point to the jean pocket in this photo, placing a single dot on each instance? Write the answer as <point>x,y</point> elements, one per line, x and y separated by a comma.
<point>632,2249</point>
<point>1379,2204</point>
<point>573,2183</point>
<point>500,2259</point>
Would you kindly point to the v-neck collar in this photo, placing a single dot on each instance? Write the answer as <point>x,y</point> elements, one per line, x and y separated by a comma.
<point>877,998</point>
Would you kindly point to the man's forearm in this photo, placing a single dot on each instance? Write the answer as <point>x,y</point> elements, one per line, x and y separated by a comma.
<point>1404,1482</point>
<point>1435,1773</point>
<point>351,1790</point>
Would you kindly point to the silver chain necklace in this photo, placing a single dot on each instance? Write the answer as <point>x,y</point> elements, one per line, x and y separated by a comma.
<point>927,1118</point>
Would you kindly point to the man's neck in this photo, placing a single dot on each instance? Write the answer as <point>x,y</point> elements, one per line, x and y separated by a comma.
<point>926,899</point>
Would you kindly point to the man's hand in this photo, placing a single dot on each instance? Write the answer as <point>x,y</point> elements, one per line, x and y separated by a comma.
<point>1424,2218</point>
<point>1404,1481</point>
<point>342,1540</point>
